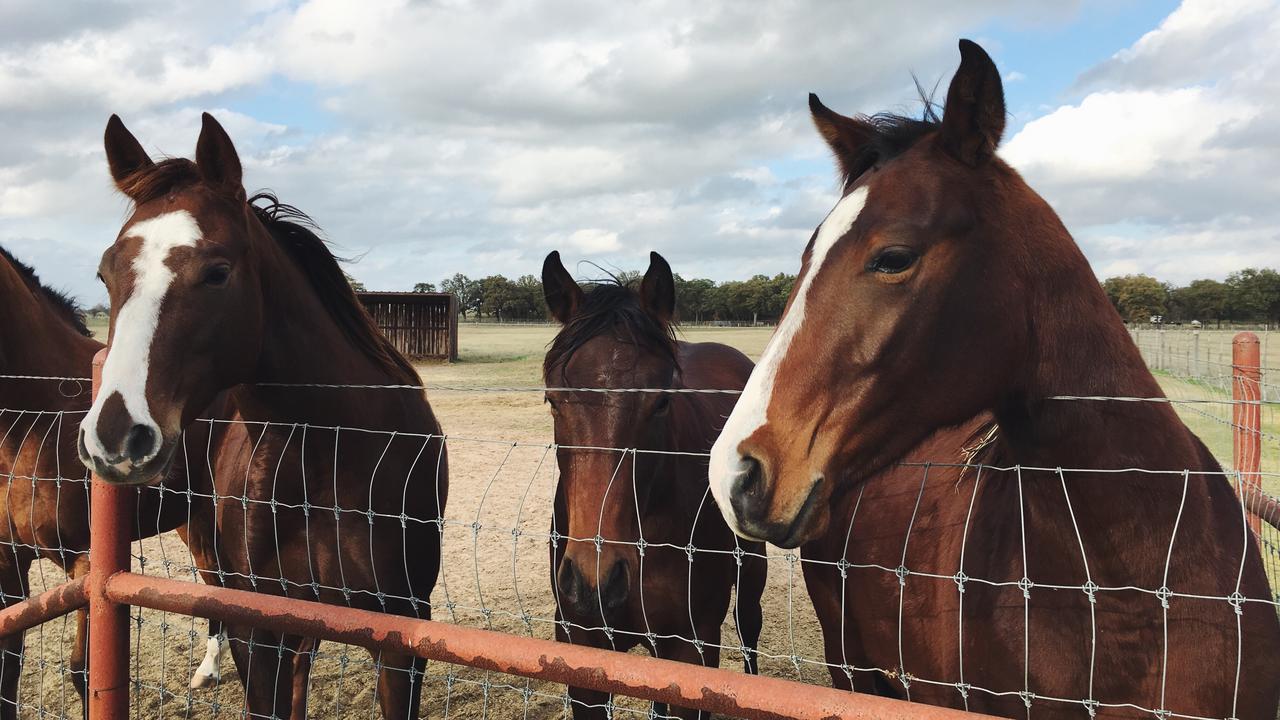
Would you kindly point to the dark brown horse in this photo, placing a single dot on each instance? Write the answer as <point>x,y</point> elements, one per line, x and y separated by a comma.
<point>219,292</point>
<point>611,592</point>
<point>941,287</point>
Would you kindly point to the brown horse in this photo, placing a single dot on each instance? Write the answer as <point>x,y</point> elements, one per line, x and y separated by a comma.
<point>45,486</point>
<point>939,288</point>
<point>611,591</point>
<point>219,292</point>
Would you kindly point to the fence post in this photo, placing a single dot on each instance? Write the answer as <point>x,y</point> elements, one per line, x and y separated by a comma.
<point>1246,417</point>
<point>1195,354</point>
<point>109,524</point>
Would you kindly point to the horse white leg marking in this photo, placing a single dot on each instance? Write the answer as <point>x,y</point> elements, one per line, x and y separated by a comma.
<point>209,673</point>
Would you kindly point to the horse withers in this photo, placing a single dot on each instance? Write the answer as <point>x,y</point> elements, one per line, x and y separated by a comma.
<point>218,292</point>
<point>1083,557</point>
<point>632,493</point>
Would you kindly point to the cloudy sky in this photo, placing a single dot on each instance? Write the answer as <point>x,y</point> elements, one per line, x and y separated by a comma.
<point>440,137</point>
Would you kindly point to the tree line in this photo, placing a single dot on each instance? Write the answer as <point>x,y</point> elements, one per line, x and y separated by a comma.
<point>1249,295</point>
<point>758,299</point>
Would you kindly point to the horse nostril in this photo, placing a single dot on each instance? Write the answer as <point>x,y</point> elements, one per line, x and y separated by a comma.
<point>750,481</point>
<point>570,582</point>
<point>616,587</point>
<point>140,443</point>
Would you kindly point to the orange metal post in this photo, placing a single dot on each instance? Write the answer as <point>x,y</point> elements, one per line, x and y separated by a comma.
<point>65,598</point>
<point>109,524</point>
<point>1246,417</point>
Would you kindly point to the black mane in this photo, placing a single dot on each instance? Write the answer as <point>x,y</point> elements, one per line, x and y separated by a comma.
<point>61,302</point>
<point>615,308</point>
<point>893,135</point>
<point>296,234</point>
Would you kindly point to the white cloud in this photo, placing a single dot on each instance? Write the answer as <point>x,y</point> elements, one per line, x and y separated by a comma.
<point>444,137</point>
<point>463,137</point>
<point>1128,134</point>
<point>1174,143</point>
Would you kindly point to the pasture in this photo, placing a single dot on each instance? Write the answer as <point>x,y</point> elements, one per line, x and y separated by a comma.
<point>495,555</point>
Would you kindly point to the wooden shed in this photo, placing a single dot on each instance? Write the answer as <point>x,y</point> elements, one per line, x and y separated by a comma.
<point>420,325</point>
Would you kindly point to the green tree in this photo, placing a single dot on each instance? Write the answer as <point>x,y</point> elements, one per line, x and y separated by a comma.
<point>530,305</point>
<point>693,297</point>
<point>466,290</point>
<point>424,287</point>
<point>1254,294</point>
<point>1137,297</point>
<point>1201,300</point>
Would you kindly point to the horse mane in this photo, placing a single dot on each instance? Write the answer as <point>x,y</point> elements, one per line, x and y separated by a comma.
<point>610,306</point>
<point>62,303</point>
<point>168,175</point>
<point>892,135</point>
<point>295,232</point>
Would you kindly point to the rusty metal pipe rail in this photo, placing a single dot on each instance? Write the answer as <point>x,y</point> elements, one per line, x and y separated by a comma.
<point>713,689</point>
<point>65,598</point>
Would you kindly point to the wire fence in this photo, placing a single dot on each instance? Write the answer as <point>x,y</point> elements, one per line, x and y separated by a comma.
<point>498,537</point>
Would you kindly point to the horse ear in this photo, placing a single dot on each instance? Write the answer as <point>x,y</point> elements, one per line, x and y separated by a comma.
<point>125,155</point>
<point>217,159</point>
<point>658,289</point>
<point>844,135</point>
<point>973,120</point>
<point>559,288</point>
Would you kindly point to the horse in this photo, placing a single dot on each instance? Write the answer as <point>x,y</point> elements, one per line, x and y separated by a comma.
<point>223,293</point>
<point>609,592</point>
<point>45,486</point>
<point>1085,556</point>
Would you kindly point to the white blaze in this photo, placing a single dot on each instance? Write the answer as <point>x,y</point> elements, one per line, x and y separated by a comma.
<point>751,411</point>
<point>126,369</point>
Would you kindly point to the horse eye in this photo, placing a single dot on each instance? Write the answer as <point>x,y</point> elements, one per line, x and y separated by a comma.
<point>217,275</point>
<point>894,260</point>
<point>663,404</point>
<point>102,279</point>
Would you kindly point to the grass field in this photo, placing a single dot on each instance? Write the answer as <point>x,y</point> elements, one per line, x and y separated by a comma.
<point>502,480</point>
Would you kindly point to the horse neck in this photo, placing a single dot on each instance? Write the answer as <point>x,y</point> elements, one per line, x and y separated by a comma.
<point>302,343</point>
<point>1079,347</point>
<point>35,339</point>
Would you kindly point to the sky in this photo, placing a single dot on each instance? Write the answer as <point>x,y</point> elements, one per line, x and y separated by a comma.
<point>431,138</point>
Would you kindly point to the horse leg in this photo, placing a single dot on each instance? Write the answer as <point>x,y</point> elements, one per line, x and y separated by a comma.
<point>302,676</point>
<point>266,670</point>
<point>750,614</point>
<point>209,673</point>
<point>400,678</point>
<point>13,582</point>
<point>683,651</point>
<point>79,661</point>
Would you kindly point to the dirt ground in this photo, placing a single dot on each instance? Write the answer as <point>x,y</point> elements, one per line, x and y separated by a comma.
<point>502,480</point>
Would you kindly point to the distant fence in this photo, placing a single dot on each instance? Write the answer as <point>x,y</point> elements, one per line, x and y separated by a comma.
<point>494,609</point>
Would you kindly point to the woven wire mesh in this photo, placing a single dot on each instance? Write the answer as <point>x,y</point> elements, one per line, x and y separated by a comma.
<point>496,575</point>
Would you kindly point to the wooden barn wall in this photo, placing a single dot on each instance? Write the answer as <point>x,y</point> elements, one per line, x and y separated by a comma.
<point>418,327</point>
